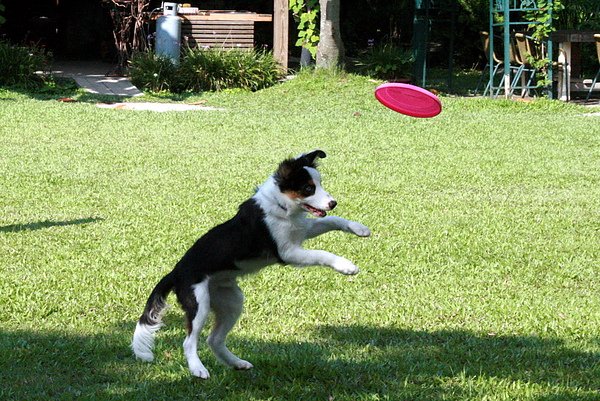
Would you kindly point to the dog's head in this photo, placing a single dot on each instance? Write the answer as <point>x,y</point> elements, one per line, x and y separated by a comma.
<point>299,181</point>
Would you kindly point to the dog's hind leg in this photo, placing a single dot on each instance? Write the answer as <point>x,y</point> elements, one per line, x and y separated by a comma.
<point>195,301</point>
<point>226,301</point>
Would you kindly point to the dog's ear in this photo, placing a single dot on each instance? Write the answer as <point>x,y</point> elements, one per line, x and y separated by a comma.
<point>309,159</point>
<point>289,167</point>
<point>285,169</point>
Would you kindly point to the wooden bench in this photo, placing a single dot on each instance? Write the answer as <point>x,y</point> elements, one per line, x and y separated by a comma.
<point>221,29</point>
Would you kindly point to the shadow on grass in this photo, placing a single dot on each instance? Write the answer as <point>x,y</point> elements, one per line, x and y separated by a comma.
<point>15,228</point>
<point>446,355</point>
<point>66,89</point>
<point>340,363</point>
<point>63,89</point>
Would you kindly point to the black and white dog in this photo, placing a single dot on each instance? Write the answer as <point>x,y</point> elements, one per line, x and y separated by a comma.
<point>269,228</point>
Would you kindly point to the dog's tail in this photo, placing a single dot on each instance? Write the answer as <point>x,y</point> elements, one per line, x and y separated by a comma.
<point>150,321</point>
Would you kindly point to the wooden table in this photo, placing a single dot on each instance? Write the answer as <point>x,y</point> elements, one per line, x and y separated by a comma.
<point>565,38</point>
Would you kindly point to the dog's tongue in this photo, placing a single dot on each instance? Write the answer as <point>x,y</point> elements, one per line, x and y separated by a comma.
<point>315,212</point>
<point>319,213</point>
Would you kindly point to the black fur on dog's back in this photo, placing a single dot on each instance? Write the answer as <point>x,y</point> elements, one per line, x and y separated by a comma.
<point>243,237</point>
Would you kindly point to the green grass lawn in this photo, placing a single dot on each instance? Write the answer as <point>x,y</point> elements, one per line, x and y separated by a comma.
<point>480,281</point>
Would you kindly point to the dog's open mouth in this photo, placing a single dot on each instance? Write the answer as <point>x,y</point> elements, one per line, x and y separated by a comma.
<point>314,211</point>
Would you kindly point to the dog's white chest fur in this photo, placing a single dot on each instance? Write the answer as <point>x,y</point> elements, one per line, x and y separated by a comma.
<point>287,224</point>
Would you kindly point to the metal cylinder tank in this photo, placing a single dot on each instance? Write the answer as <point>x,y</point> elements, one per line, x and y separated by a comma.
<point>170,8</point>
<point>168,37</point>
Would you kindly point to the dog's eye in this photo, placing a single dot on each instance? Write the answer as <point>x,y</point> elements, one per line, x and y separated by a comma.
<point>308,189</point>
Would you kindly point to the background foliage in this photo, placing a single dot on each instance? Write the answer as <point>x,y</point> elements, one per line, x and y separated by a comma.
<point>19,64</point>
<point>386,61</point>
<point>364,23</point>
<point>579,14</point>
<point>205,70</point>
<point>306,14</point>
<point>2,19</point>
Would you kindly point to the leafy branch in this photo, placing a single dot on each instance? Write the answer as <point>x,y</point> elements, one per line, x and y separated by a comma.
<point>541,27</point>
<point>306,14</point>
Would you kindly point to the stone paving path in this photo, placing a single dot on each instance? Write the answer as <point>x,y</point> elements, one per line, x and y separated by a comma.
<point>158,107</point>
<point>91,76</point>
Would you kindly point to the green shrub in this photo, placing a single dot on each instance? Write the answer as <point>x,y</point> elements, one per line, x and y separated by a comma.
<point>2,19</point>
<point>386,62</point>
<point>206,70</point>
<point>151,72</point>
<point>202,70</point>
<point>18,65</point>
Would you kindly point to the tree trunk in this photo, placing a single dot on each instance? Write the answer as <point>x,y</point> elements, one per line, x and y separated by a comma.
<point>330,51</point>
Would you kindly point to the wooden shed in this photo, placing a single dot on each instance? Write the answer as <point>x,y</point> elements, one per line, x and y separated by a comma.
<point>235,29</point>
<point>82,29</point>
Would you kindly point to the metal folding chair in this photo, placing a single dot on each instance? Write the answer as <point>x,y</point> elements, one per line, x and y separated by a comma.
<point>597,37</point>
<point>495,63</point>
<point>515,65</point>
<point>527,50</point>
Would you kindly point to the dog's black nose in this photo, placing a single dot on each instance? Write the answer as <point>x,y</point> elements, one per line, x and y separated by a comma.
<point>332,204</point>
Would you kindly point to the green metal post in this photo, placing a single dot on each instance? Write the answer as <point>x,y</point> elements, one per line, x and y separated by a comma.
<point>491,48</point>
<point>551,86</point>
<point>506,9</point>
<point>453,16</point>
<point>506,24</point>
<point>420,39</point>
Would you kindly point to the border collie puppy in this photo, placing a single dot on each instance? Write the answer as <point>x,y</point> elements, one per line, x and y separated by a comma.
<point>269,228</point>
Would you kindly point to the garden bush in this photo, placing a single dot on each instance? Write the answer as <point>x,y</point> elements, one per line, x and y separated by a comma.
<point>386,62</point>
<point>18,65</point>
<point>2,8</point>
<point>151,72</point>
<point>205,70</point>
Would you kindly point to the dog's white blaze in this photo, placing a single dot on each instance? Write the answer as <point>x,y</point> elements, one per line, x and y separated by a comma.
<point>321,198</point>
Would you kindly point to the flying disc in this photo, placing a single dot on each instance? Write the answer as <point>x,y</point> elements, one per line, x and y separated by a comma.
<point>409,99</point>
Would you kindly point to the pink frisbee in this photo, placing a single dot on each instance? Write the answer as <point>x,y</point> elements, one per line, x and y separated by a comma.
<point>409,99</point>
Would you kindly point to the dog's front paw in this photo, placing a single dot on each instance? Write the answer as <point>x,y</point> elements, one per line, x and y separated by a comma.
<point>359,229</point>
<point>197,369</point>
<point>344,266</point>
<point>201,373</point>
